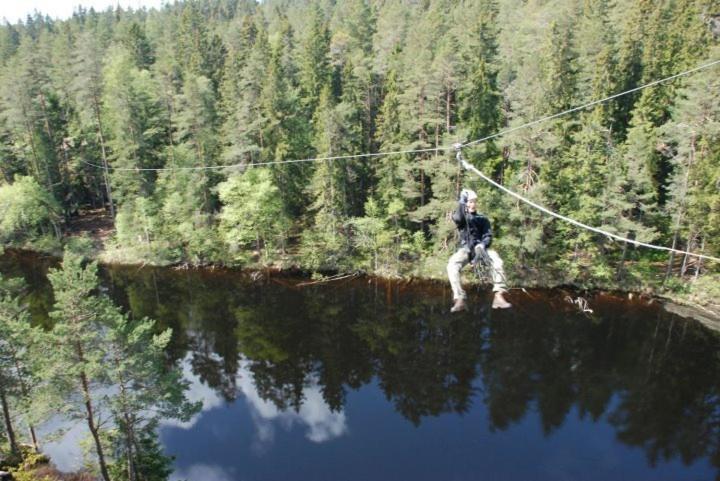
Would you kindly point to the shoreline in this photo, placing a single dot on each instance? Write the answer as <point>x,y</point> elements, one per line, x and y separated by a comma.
<point>680,304</point>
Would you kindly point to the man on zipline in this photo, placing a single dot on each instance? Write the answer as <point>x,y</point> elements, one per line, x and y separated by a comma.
<point>475,237</point>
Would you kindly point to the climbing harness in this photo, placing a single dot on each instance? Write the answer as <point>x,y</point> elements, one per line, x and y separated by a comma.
<point>484,268</point>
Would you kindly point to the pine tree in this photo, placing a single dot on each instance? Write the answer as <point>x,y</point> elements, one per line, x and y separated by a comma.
<point>598,75</point>
<point>373,238</point>
<point>354,49</point>
<point>244,120</point>
<point>168,73</point>
<point>24,105</point>
<point>537,161</point>
<point>9,41</point>
<point>193,45</point>
<point>138,225</point>
<point>88,86</point>
<point>479,98</point>
<point>75,368</point>
<point>197,122</point>
<point>392,171</point>
<point>17,341</point>
<point>136,42</point>
<point>420,111</point>
<point>95,347</point>
<point>135,119</point>
<point>197,51</point>
<point>390,138</point>
<point>314,69</point>
<point>653,106</point>
<point>693,199</point>
<point>285,132</point>
<point>630,52</point>
<point>179,213</point>
<point>325,244</point>
<point>147,391</point>
<point>352,109</point>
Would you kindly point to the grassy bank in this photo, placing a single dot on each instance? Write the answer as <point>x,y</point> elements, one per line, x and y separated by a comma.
<point>644,277</point>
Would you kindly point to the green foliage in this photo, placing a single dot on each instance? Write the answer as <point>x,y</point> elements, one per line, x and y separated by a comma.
<point>81,245</point>
<point>26,211</point>
<point>136,121</point>
<point>372,238</point>
<point>96,347</point>
<point>253,212</point>
<point>137,223</point>
<point>18,367</point>
<point>147,391</point>
<point>137,43</point>
<point>151,463</point>
<point>314,64</point>
<point>692,135</point>
<point>196,86</point>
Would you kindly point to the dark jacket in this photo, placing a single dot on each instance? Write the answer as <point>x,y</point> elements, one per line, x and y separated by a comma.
<point>474,228</point>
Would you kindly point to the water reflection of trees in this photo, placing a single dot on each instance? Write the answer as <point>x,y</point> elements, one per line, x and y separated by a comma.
<point>655,379</point>
<point>199,310</point>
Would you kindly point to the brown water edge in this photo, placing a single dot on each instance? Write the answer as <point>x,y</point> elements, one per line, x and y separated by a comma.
<point>531,302</point>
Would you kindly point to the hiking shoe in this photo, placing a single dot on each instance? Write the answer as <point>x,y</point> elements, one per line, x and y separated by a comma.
<point>458,306</point>
<point>499,301</point>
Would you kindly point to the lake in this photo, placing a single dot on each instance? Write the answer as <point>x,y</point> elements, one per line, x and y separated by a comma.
<point>363,379</point>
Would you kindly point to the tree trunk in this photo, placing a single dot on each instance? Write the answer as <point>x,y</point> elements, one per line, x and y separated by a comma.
<point>58,232</point>
<point>26,395</point>
<point>684,266</point>
<point>621,266</point>
<point>129,431</point>
<point>33,438</point>
<point>8,422</point>
<point>94,430</point>
<point>106,174</point>
<point>671,257</point>
<point>437,127</point>
<point>700,259</point>
<point>130,442</point>
<point>448,105</point>
<point>35,162</point>
<point>51,137</point>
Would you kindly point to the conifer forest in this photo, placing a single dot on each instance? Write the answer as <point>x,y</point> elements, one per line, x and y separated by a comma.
<point>153,119</point>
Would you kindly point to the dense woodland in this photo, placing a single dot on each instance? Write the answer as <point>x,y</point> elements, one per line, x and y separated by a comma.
<point>155,118</point>
<point>90,105</point>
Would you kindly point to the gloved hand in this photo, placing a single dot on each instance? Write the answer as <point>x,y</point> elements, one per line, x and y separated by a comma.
<point>463,196</point>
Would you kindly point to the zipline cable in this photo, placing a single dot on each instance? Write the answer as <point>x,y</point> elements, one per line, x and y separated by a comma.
<point>414,151</point>
<point>541,208</point>
<point>590,104</point>
<point>274,162</point>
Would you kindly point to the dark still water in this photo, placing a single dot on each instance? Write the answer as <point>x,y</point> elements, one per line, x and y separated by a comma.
<point>358,380</point>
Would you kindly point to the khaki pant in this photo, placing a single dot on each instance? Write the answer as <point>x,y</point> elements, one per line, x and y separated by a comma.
<point>461,258</point>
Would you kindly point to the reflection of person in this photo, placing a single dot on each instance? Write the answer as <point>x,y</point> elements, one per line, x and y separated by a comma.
<point>475,236</point>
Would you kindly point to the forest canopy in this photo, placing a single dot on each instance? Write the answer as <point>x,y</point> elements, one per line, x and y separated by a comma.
<point>91,105</point>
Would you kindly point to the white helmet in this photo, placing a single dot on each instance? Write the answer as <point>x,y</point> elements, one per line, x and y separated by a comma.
<point>468,194</point>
